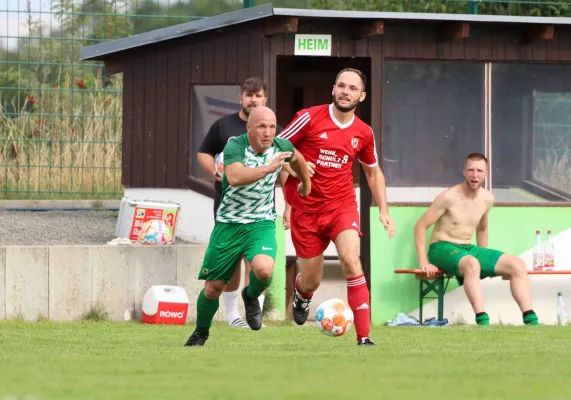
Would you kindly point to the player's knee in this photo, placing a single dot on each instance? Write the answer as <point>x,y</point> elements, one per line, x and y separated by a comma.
<point>213,289</point>
<point>516,266</point>
<point>311,284</point>
<point>263,267</point>
<point>264,274</point>
<point>351,264</point>
<point>470,266</point>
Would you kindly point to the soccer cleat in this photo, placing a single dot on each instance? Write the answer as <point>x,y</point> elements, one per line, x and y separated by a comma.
<point>238,323</point>
<point>197,339</point>
<point>366,341</point>
<point>253,310</point>
<point>300,309</point>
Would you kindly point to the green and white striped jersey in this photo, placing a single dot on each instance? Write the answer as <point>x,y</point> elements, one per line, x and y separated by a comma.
<point>254,202</point>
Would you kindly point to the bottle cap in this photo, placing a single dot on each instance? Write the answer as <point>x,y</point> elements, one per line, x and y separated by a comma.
<point>559,293</point>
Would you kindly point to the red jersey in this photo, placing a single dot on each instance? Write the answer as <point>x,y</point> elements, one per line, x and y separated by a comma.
<point>332,147</point>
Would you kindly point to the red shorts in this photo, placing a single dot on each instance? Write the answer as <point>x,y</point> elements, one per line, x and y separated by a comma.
<point>312,232</point>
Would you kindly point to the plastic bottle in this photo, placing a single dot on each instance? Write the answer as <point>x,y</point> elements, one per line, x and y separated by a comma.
<point>538,253</point>
<point>549,253</point>
<point>561,311</point>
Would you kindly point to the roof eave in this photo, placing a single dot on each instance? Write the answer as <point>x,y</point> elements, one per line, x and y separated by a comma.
<point>103,50</point>
<point>412,16</point>
<point>99,51</point>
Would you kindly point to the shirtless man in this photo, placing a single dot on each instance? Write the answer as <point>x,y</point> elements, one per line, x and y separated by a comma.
<point>456,214</point>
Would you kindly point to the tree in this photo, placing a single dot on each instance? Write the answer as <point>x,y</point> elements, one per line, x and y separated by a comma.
<point>530,8</point>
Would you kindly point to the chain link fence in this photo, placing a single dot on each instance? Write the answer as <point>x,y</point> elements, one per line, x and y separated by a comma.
<point>60,119</point>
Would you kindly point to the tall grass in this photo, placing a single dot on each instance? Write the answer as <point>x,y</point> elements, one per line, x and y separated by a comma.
<point>64,143</point>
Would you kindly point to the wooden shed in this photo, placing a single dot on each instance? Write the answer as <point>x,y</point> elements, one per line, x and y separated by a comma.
<point>298,52</point>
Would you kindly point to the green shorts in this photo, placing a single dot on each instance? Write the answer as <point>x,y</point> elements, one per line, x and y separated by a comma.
<point>446,256</point>
<point>229,241</point>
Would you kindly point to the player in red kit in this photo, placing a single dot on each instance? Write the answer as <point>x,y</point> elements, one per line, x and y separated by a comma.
<point>331,137</point>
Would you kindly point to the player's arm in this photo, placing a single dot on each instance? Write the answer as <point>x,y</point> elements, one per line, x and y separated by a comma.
<point>238,174</point>
<point>482,228</point>
<point>429,218</point>
<point>286,169</point>
<point>287,210</point>
<point>482,231</point>
<point>207,150</point>
<point>294,132</point>
<point>299,166</point>
<point>376,181</point>
<point>378,186</point>
<point>285,172</point>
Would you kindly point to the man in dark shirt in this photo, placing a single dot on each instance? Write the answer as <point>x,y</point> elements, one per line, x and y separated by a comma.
<point>253,93</point>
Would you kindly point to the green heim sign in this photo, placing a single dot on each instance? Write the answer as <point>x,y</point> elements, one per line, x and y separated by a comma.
<point>312,45</point>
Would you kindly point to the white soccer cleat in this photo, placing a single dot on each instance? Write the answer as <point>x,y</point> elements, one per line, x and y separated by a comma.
<point>238,323</point>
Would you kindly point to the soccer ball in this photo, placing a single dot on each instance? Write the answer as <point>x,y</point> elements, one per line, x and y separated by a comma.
<point>334,317</point>
<point>219,164</point>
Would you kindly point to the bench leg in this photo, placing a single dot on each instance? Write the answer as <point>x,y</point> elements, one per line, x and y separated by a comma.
<point>436,287</point>
<point>441,297</point>
<point>421,297</point>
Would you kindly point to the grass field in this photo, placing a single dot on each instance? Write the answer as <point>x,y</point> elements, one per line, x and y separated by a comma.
<point>134,361</point>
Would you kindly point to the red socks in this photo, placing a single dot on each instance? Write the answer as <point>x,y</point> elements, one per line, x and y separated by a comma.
<point>358,297</point>
<point>304,295</point>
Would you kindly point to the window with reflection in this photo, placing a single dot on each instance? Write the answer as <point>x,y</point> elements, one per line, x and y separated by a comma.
<point>432,119</point>
<point>531,132</point>
<point>209,103</point>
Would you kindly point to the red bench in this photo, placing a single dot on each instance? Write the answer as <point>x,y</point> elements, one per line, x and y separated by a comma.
<point>438,285</point>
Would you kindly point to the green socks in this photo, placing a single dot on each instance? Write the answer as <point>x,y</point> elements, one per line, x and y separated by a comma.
<point>482,319</point>
<point>256,286</point>
<point>530,318</point>
<point>205,310</point>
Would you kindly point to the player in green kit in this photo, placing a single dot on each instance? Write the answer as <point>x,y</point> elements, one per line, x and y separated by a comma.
<point>245,221</point>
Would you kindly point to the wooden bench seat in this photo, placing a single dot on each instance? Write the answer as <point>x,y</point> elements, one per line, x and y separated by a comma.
<point>437,285</point>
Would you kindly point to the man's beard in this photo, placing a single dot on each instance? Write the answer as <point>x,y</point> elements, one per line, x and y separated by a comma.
<point>348,108</point>
<point>248,109</point>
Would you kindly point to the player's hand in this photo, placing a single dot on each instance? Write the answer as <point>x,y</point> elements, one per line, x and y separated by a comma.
<point>287,217</point>
<point>217,177</point>
<point>430,270</point>
<point>388,223</point>
<point>304,190</point>
<point>279,161</point>
<point>310,168</point>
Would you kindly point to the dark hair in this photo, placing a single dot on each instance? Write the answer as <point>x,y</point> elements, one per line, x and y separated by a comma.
<point>476,157</point>
<point>361,75</point>
<point>253,85</point>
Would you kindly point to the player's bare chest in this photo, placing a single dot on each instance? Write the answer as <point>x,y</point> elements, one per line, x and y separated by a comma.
<point>466,213</point>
